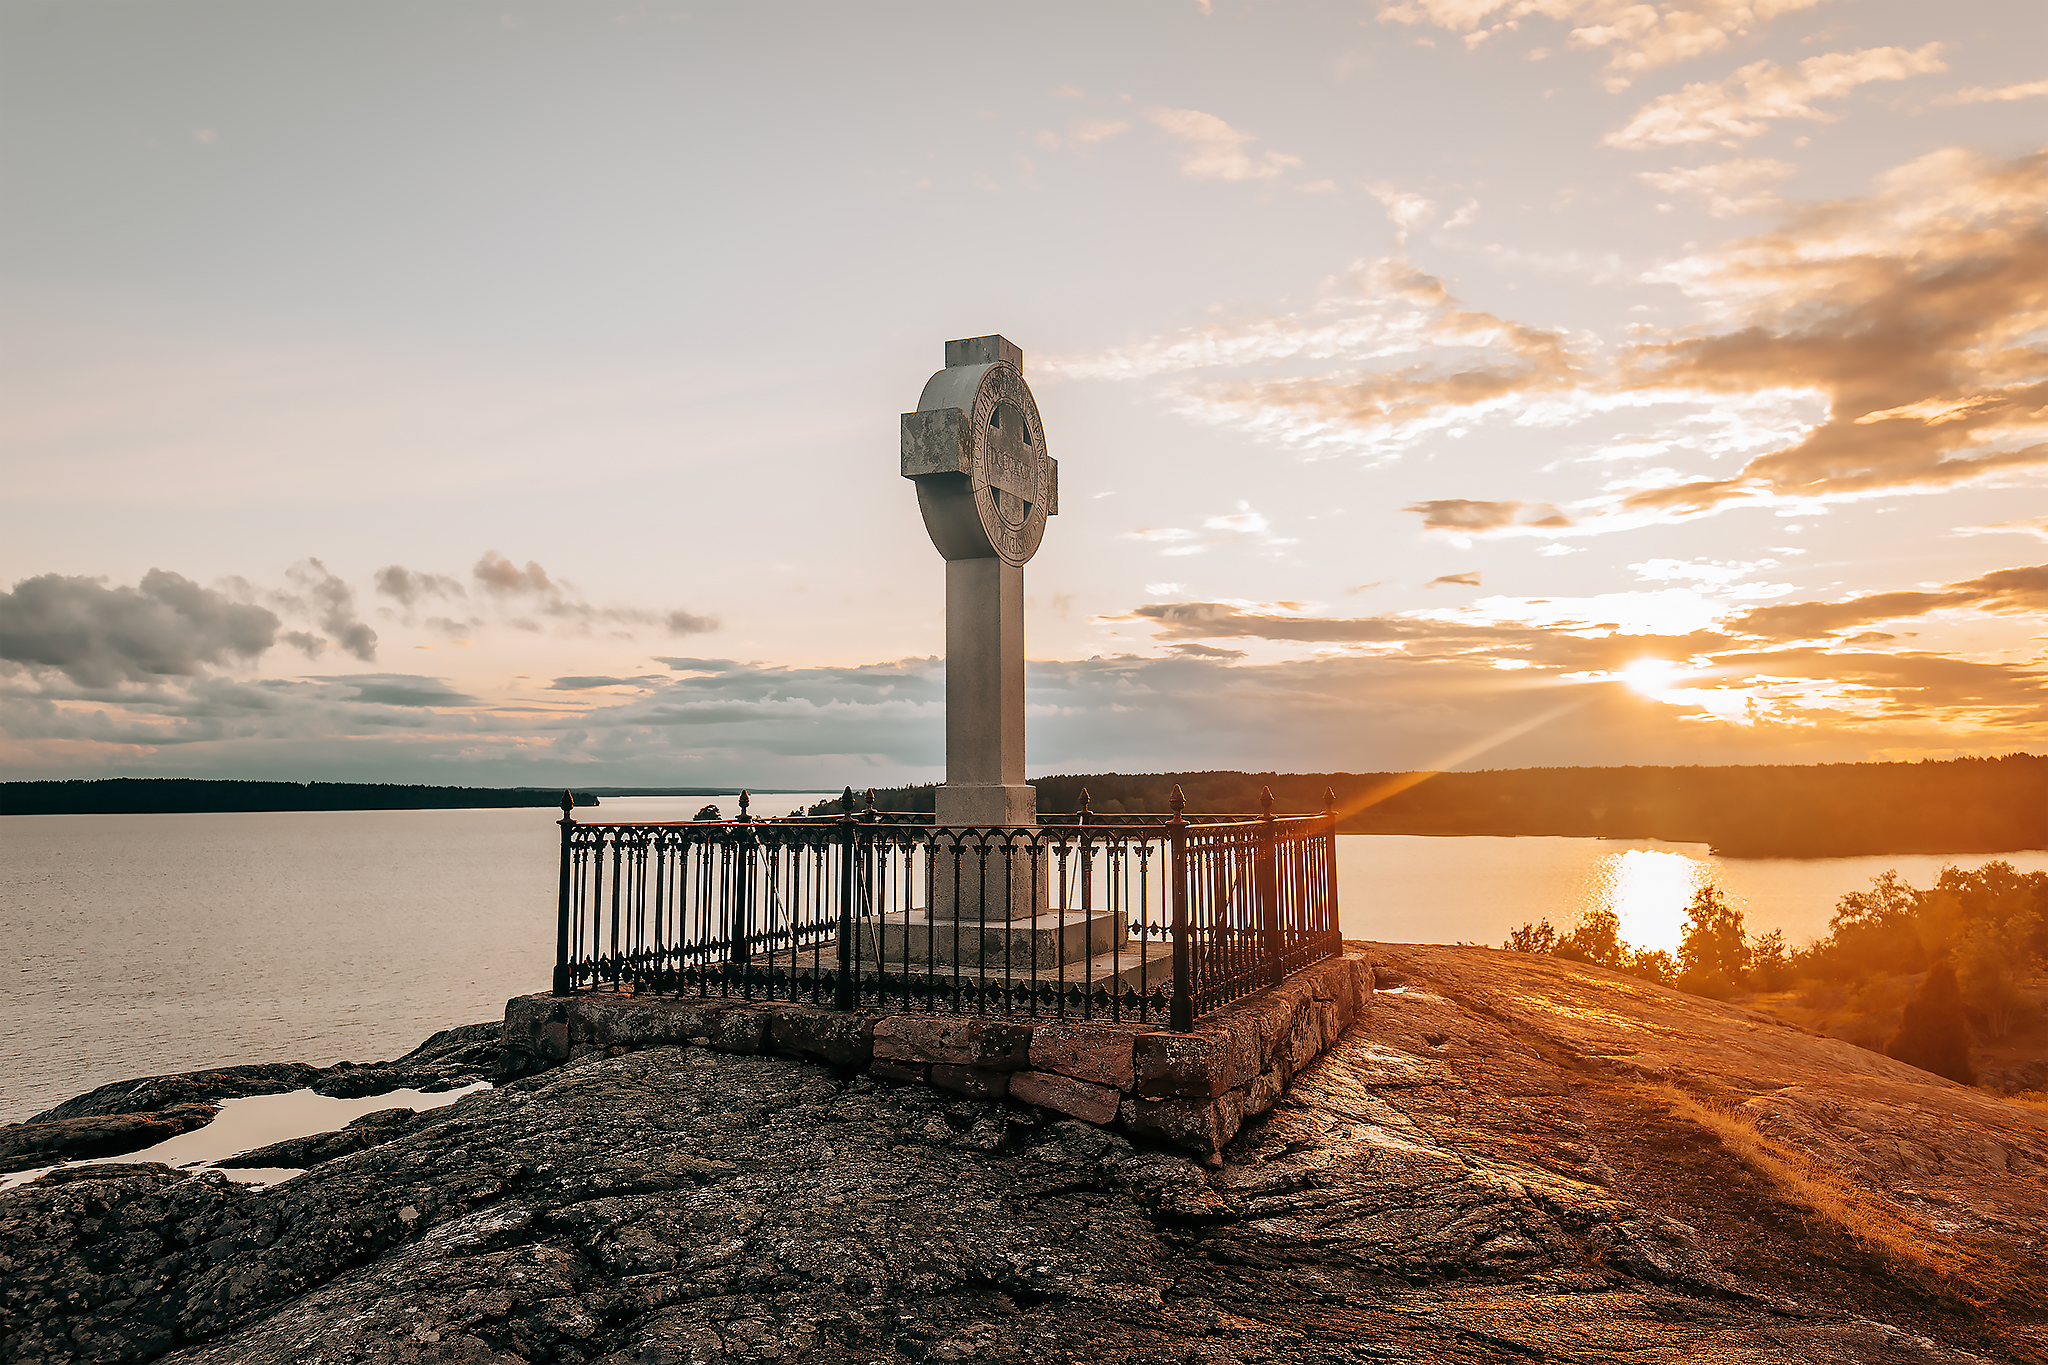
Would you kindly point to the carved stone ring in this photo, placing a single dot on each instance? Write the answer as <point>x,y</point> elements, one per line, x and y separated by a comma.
<point>976,450</point>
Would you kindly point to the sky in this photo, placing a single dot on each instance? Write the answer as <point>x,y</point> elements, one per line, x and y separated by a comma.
<point>507,393</point>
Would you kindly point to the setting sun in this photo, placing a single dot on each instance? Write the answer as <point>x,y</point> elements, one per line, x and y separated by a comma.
<point>1653,677</point>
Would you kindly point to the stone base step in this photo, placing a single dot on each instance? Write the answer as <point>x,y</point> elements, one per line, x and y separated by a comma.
<point>1043,941</point>
<point>1149,970</point>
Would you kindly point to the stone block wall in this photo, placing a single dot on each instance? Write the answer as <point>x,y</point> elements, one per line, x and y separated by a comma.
<point>1194,1090</point>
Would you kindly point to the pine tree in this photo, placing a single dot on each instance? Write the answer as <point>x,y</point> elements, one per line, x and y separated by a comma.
<point>1934,1035</point>
<point>1713,957</point>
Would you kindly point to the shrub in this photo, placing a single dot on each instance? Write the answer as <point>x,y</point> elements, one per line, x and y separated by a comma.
<point>1988,960</point>
<point>1532,938</point>
<point>1654,965</point>
<point>1770,965</point>
<point>1597,939</point>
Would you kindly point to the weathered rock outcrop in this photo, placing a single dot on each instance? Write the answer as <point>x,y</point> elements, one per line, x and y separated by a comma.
<point>151,1094</point>
<point>298,1154</point>
<point>128,1116</point>
<point>1446,1184</point>
<point>25,1146</point>
<point>1963,1162</point>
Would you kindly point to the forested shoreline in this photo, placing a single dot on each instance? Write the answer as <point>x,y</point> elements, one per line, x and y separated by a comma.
<point>1965,805</point>
<point>167,795</point>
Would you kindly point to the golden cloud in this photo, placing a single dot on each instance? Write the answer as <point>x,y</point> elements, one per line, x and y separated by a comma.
<point>1737,673</point>
<point>1744,105</point>
<point>1865,347</point>
<point>2005,590</point>
<point>1637,36</point>
<point>1915,312</point>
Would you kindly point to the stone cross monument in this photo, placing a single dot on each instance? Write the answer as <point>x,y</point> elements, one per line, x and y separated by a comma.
<point>976,452</point>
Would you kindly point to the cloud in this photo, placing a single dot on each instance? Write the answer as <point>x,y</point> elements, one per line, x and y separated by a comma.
<point>1407,211</point>
<point>1190,621</point>
<point>1086,132</point>
<point>1400,357</point>
<point>328,599</point>
<point>1729,187</point>
<point>1863,347</point>
<point>2037,528</point>
<point>99,637</point>
<point>1436,697</point>
<point>501,576</point>
<point>1744,105</point>
<point>1720,675</point>
<point>398,689</point>
<point>1244,526</point>
<point>1980,94</point>
<point>1714,573</point>
<point>1465,514</point>
<point>1637,36</point>
<point>2004,590</point>
<point>409,589</point>
<point>1604,634</point>
<point>1455,580</point>
<point>584,684</point>
<point>700,665</point>
<point>681,622</point>
<point>531,587</point>
<point>1214,150</point>
<point>1374,311</point>
<point>1916,313</point>
<point>1478,515</point>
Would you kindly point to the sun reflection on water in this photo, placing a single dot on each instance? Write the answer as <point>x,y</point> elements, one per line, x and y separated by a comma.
<point>1648,891</point>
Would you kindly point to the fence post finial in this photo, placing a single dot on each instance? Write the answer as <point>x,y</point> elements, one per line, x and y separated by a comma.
<point>568,804</point>
<point>1266,802</point>
<point>1330,801</point>
<point>1085,811</point>
<point>744,802</point>
<point>846,803</point>
<point>1180,802</point>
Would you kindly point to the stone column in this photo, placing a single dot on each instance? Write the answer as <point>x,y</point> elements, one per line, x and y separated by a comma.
<point>976,451</point>
<point>985,696</point>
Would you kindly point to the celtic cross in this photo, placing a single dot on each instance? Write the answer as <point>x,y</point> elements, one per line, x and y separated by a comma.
<point>976,451</point>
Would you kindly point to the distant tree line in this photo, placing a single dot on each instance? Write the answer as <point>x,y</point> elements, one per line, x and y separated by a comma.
<point>165,795</point>
<point>1965,805</point>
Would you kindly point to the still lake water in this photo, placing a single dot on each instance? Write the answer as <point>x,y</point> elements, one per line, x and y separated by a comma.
<point>144,944</point>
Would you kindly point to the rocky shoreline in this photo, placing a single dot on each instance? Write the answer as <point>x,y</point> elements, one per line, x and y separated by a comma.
<point>1475,1172</point>
<point>129,1116</point>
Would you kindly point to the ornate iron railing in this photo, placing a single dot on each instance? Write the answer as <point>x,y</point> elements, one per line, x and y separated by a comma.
<point>1143,918</point>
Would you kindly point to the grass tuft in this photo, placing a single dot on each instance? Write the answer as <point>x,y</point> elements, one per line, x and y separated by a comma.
<point>1949,1266</point>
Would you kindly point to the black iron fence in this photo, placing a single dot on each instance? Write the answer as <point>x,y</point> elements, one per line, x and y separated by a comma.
<point>1145,918</point>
